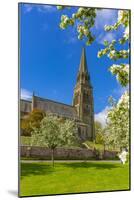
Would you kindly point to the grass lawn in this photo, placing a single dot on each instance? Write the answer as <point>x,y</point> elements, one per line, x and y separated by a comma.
<point>42,179</point>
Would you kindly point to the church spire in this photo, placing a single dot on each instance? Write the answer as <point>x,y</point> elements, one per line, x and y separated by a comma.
<point>83,62</point>
<point>83,75</point>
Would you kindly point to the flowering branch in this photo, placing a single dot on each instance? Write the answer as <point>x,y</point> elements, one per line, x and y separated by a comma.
<point>84,19</point>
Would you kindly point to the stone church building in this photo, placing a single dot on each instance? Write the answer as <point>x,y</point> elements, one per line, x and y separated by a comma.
<point>81,110</point>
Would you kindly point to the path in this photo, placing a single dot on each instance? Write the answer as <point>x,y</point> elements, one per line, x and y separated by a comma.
<point>66,161</point>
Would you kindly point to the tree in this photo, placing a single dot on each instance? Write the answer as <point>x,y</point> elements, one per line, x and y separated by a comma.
<point>54,133</point>
<point>99,133</point>
<point>118,123</point>
<point>31,121</point>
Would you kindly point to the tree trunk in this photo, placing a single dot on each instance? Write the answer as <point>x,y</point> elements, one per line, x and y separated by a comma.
<point>52,157</point>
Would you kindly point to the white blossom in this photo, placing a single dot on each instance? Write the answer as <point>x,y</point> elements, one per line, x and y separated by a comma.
<point>124,99</point>
<point>120,15</point>
<point>80,10</point>
<point>118,123</point>
<point>126,33</point>
<point>123,156</point>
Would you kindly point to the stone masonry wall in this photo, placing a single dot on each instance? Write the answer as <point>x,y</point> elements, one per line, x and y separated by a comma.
<point>63,153</point>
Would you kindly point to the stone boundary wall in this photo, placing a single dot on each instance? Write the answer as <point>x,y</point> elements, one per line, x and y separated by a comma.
<point>64,153</point>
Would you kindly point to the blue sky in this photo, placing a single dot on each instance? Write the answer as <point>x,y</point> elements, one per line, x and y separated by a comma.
<point>49,56</point>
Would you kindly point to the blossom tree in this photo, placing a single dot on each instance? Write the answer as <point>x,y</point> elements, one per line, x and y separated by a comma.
<point>99,132</point>
<point>54,133</point>
<point>117,130</point>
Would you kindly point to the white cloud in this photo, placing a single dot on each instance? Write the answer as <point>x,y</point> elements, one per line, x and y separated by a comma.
<point>101,116</point>
<point>40,8</point>
<point>25,94</point>
<point>106,36</point>
<point>105,17</point>
<point>119,91</point>
<point>46,8</point>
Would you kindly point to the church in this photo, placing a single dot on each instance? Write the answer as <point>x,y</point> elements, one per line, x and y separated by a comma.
<point>81,110</point>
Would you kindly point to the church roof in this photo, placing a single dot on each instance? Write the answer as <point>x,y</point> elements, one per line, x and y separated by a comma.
<point>50,107</point>
<point>54,107</point>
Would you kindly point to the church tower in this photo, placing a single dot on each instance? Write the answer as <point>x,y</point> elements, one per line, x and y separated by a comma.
<point>83,101</point>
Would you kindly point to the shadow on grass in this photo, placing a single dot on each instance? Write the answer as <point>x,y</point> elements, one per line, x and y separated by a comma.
<point>28,169</point>
<point>90,165</point>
